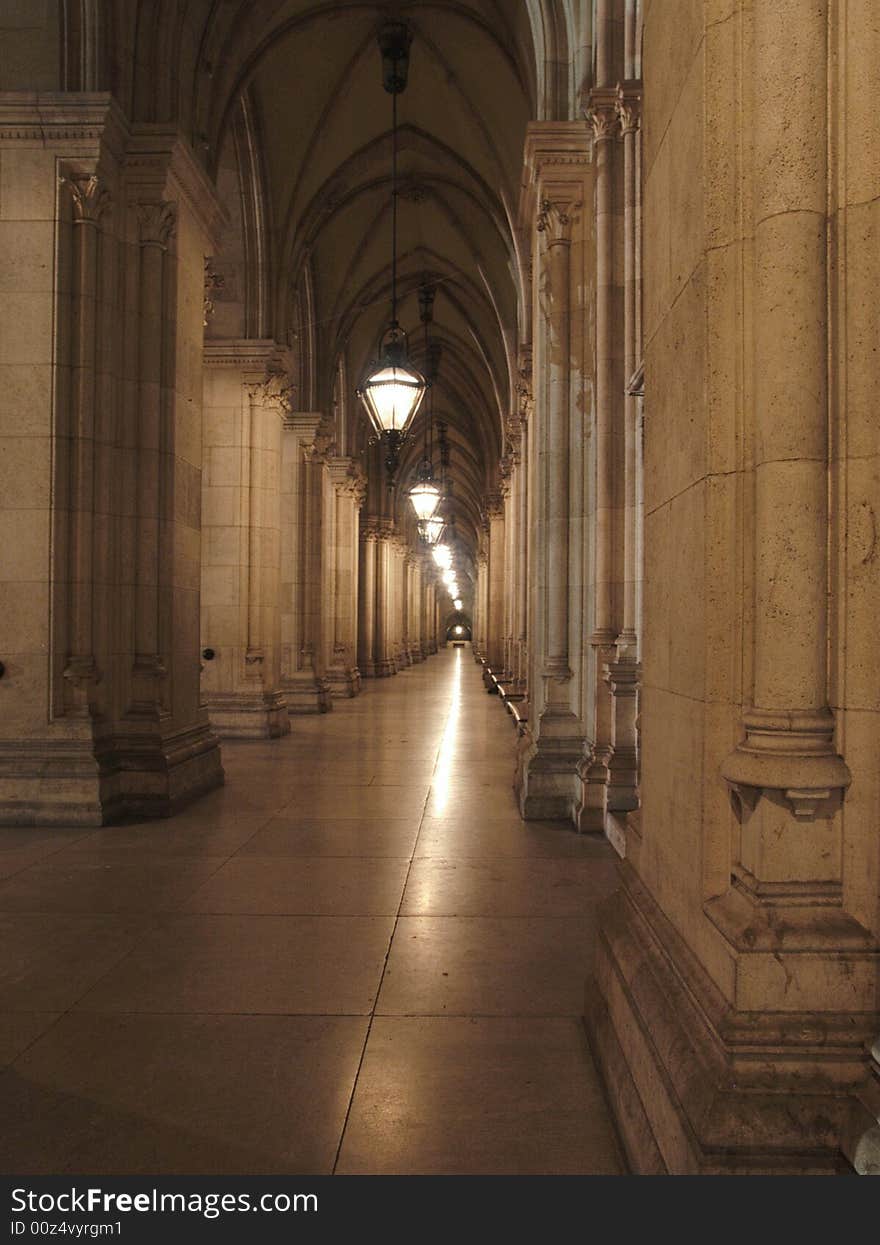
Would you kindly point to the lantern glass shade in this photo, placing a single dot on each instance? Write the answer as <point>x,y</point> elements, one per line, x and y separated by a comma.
<point>443,555</point>
<point>425,498</point>
<point>430,531</point>
<point>393,389</point>
<point>456,604</point>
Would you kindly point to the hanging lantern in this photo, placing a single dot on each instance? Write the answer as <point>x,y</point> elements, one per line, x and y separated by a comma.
<point>425,498</point>
<point>392,388</point>
<point>430,531</point>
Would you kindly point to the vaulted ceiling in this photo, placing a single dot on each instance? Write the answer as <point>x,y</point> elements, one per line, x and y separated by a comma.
<point>287,94</point>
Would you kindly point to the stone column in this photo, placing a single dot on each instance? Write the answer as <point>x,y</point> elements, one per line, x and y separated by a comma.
<point>736,986</point>
<point>494,511</point>
<point>245,407</point>
<point>596,768</point>
<point>558,168</point>
<point>414,597</point>
<point>348,485</point>
<point>106,228</point>
<point>401,605</point>
<point>429,629</point>
<point>623,673</point>
<point>519,451</point>
<point>368,540</point>
<point>303,678</point>
<point>383,659</point>
<point>90,200</point>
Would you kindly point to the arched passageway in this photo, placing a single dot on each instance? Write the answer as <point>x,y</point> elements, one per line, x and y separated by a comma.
<point>653,360</point>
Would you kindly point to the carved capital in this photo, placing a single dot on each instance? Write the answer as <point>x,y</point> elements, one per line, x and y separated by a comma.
<point>275,393</point>
<point>493,505</point>
<point>555,219</point>
<point>629,106</point>
<point>156,223</point>
<point>89,196</point>
<point>601,112</point>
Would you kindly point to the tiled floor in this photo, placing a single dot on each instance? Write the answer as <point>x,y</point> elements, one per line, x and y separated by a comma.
<point>354,958</point>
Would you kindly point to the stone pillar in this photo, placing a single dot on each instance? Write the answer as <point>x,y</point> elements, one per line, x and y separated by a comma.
<point>402,658</point>
<point>598,763</point>
<point>245,404</point>
<point>623,674</point>
<point>414,598</point>
<point>736,989</point>
<point>481,598</point>
<point>787,766</point>
<point>495,584</point>
<point>518,429</point>
<point>383,653</point>
<point>106,228</point>
<point>558,168</point>
<point>429,629</point>
<point>303,596</point>
<point>368,539</point>
<point>348,485</point>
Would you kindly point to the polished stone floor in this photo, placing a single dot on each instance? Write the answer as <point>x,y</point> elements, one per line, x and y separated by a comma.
<point>353,958</point>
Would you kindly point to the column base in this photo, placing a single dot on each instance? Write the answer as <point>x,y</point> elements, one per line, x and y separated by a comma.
<point>307,694</point>
<point>546,769</point>
<point>247,715</point>
<point>384,669</point>
<point>80,780</point>
<point>344,684</point>
<point>699,1087</point>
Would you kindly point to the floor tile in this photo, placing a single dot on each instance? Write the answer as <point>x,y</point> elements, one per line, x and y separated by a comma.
<point>19,1029</point>
<point>189,1094</point>
<point>454,837</point>
<point>478,1096</point>
<point>49,961</point>
<point>309,886</point>
<point>21,847</point>
<point>536,886</point>
<point>488,966</point>
<point>331,799</point>
<point>289,965</point>
<point>334,837</point>
<point>89,885</point>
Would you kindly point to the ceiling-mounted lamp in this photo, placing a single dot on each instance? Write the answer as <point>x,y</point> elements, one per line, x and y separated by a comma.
<point>393,389</point>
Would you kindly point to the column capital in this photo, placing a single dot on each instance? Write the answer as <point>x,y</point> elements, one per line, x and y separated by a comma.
<point>157,223</point>
<point>493,505</point>
<point>89,195</point>
<point>555,219</point>
<point>629,105</point>
<point>347,476</point>
<point>600,107</point>
<point>161,164</point>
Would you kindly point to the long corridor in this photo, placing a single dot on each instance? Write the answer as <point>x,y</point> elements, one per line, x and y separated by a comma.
<point>354,957</point>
